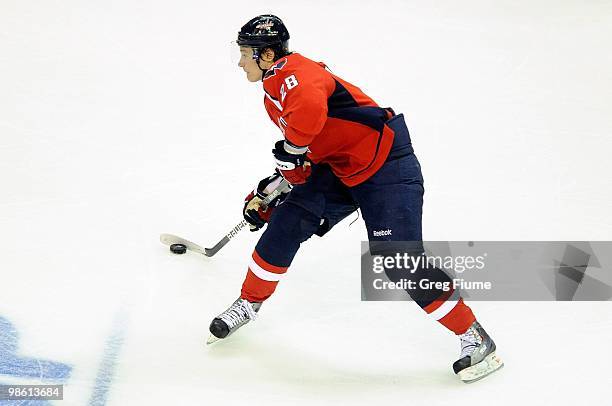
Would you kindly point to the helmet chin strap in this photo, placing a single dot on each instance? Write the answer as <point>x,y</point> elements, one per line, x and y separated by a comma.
<point>257,57</point>
<point>262,69</point>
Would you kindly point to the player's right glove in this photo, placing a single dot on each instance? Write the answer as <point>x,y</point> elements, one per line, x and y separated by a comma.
<point>292,162</point>
<point>256,215</point>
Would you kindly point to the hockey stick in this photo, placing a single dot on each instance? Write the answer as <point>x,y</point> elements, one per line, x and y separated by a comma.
<point>170,239</point>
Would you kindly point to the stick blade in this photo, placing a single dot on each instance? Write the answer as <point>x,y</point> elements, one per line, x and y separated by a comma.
<point>169,239</point>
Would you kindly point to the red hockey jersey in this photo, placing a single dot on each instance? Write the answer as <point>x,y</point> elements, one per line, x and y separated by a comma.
<point>341,125</point>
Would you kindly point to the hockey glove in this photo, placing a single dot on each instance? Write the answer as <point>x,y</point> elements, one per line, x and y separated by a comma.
<point>254,213</point>
<point>291,161</point>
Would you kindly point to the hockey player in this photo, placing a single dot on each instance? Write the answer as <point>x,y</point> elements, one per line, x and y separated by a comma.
<point>340,151</point>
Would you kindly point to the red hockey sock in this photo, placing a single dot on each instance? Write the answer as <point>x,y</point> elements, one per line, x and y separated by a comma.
<point>451,312</point>
<point>261,279</point>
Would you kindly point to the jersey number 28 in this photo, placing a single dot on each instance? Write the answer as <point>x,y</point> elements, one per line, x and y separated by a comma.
<point>291,82</point>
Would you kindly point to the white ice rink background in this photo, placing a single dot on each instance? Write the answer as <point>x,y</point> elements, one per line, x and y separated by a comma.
<point>120,120</point>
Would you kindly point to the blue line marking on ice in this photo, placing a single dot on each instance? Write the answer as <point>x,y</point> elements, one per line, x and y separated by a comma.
<point>107,367</point>
<point>26,367</point>
<point>18,366</point>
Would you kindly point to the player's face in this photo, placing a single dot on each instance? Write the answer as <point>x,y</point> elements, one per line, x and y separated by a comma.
<point>249,65</point>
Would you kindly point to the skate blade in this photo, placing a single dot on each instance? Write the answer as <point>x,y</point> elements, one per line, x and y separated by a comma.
<point>212,339</point>
<point>487,366</point>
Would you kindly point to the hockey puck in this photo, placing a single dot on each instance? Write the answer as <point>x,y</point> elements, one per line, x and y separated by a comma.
<point>178,248</point>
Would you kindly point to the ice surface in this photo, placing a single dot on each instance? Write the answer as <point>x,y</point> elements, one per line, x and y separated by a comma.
<point>120,120</point>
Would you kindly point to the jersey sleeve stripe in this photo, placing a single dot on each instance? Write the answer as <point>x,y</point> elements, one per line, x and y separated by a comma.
<point>274,101</point>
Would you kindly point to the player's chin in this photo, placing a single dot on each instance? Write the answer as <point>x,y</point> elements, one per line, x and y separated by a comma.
<point>253,76</point>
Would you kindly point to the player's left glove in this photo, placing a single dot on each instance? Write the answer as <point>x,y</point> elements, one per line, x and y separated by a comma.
<point>291,161</point>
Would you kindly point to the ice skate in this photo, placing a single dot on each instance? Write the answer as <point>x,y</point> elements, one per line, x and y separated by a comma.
<point>478,358</point>
<point>237,315</point>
